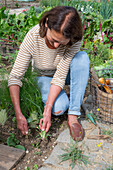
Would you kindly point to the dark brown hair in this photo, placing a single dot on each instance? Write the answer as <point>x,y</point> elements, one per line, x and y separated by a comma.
<point>66,17</point>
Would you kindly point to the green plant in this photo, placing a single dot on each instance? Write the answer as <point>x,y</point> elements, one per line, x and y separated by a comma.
<point>74,154</point>
<point>30,96</point>
<point>14,142</point>
<point>3,116</point>
<point>42,134</point>
<point>5,100</point>
<point>105,8</point>
<point>104,70</point>
<point>97,52</point>
<point>33,119</point>
<point>14,28</point>
<point>35,167</point>
<point>52,3</point>
<point>37,153</point>
<point>107,132</point>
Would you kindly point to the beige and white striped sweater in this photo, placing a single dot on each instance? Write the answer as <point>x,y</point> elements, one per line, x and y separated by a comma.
<point>48,62</point>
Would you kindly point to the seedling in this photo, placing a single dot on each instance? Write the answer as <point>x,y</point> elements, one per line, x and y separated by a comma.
<point>38,153</point>
<point>42,134</point>
<point>35,167</point>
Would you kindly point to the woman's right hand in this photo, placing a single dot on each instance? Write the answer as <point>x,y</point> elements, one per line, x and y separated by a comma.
<point>45,122</point>
<point>22,124</point>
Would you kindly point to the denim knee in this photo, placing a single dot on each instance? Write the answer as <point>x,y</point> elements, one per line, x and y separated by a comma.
<point>81,59</point>
<point>60,106</point>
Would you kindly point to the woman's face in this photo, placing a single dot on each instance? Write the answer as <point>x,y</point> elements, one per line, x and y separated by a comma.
<point>55,39</point>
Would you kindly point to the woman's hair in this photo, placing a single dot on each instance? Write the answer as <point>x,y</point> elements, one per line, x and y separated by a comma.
<point>63,19</point>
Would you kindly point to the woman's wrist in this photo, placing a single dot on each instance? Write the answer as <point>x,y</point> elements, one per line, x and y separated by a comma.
<point>48,105</point>
<point>18,115</point>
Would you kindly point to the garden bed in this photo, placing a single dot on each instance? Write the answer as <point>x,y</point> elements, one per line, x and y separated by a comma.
<point>37,150</point>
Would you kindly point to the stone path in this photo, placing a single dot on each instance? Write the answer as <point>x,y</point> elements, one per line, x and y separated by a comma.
<point>99,151</point>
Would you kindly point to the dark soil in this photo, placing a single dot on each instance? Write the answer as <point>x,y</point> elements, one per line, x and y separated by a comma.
<point>37,150</point>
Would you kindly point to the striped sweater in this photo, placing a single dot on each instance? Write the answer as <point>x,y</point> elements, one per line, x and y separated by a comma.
<point>48,62</point>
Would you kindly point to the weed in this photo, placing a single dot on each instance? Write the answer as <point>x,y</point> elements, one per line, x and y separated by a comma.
<point>74,154</point>
<point>35,167</point>
<point>107,132</point>
<point>37,153</point>
<point>14,142</point>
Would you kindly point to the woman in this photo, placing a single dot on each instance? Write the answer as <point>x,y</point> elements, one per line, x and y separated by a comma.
<point>54,45</point>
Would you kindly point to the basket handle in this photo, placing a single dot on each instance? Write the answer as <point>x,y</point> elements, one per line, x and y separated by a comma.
<point>94,75</point>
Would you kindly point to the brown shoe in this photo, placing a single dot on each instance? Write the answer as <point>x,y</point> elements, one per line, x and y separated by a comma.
<point>76,131</point>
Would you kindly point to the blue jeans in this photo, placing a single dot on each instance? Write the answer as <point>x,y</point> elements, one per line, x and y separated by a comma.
<point>77,78</point>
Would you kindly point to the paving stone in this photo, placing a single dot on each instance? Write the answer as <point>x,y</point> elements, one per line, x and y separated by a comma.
<point>51,168</point>
<point>101,166</point>
<point>85,124</point>
<point>108,146</point>
<point>78,167</point>
<point>54,157</point>
<point>91,157</point>
<point>64,137</point>
<point>105,126</point>
<point>94,132</point>
<point>92,145</point>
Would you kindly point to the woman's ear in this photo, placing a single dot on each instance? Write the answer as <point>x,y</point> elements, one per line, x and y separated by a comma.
<point>46,23</point>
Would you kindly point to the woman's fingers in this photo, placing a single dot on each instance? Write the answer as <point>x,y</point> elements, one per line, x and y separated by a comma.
<point>48,126</point>
<point>25,129</point>
<point>40,124</point>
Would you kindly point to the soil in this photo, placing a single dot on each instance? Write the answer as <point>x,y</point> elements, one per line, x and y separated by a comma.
<point>37,150</point>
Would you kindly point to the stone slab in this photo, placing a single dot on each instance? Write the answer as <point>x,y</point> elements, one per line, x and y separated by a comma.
<point>54,159</point>
<point>9,157</point>
<point>64,137</point>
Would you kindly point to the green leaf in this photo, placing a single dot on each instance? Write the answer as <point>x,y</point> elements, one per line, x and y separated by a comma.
<point>10,141</point>
<point>3,116</point>
<point>90,118</point>
<point>29,120</point>
<point>20,147</point>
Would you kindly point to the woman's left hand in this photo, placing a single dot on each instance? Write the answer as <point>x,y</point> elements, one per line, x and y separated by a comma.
<point>45,122</point>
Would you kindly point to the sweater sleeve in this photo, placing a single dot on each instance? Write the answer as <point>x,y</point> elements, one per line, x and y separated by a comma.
<point>22,61</point>
<point>63,66</point>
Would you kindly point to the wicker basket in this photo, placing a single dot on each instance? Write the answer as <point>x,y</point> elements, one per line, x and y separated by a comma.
<point>102,101</point>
